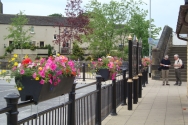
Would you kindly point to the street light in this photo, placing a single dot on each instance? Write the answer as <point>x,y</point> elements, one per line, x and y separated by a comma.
<point>150,36</point>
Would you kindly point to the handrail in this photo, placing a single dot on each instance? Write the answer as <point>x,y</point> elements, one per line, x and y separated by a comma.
<point>86,86</point>
<point>4,110</point>
<point>20,105</point>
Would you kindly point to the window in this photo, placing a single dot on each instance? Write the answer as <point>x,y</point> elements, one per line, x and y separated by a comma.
<point>55,36</point>
<point>33,43</point>
<point>66,44</point>
<point>41,43</point>
<point>32,29</point>
<point>10,43</point>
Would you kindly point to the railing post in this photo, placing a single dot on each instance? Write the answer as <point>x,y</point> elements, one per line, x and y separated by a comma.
<point>135,90</point>
<point>130,91</point>
<point>98,106</point>
<point>12,115</point>
<point>147,76</point>
<point>124,92</point>
<point>140,86</point>
<point>144,79</point>
<point>84,71</point>
<point>71,107</point>
<point>113,113</point>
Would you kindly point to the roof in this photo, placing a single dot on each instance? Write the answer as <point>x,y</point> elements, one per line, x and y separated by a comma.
<point>35,20</point>
<point>182,23</point>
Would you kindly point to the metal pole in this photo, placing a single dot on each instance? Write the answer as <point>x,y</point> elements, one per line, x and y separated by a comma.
<point>113,113</point>
<point>98,108</point>
<point>71,107</point>
<point>124,88</point>
<point>84,71</point>
<point>135,91</point>
<point>140,86</point>
<point>59,40</point>
<point>12,115</point>
<point>129,82</point>
<point>150,37</point>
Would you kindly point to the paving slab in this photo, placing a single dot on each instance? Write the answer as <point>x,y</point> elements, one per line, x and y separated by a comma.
<point>159,105</point>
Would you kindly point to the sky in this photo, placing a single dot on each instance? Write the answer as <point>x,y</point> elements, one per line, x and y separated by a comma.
<point>164,12</point>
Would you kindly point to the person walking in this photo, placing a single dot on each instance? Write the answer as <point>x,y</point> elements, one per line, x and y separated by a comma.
<point>165,63</point>
<point>177,67</point>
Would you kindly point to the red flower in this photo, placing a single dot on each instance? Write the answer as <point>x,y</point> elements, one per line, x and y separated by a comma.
<point>26,61</point>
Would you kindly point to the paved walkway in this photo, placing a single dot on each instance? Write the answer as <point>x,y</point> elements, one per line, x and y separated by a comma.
<point>159,105</point>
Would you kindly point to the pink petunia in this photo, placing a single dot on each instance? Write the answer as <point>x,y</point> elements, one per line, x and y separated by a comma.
<point>34,75</point>
<point>53,66</point>
<point>42,81</point>
<point>42,73</point>
<point>22,71</point>
<point>50,81</point>
<point>99,59</point>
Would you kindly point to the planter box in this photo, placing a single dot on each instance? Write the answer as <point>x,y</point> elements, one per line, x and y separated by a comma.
<point>37,92</point>
<point>42,51</point>
<point>105,73</point>
<point>28,51</point>
<point>25,51</point>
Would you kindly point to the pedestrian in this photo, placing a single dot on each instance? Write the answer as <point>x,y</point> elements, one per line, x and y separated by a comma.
<point>177,67</point>
<point>165,63</point>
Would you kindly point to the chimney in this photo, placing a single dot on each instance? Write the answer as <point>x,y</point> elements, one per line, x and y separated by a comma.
<point>1,7</point>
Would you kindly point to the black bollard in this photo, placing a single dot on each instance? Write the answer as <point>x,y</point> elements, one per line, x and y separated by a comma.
<point>140,85</point>
<point>130,103</point>
<point>84,71</point>
<point>12,115</point>
<point>124,89</point>
<point>113,113</point>
<point>98,107</point>
<point>147,76</point>
<point>144,79</point>
<point>71,107</point>
<point>135,90</point>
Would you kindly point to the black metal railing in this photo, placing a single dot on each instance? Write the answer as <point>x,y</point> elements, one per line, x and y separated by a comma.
<point>89,109</point>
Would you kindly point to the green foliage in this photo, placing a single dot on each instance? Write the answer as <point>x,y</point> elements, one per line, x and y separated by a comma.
<point>77,52</point>
<point>32,48</point>
<point>49,50</point>
<point>56,15</point>
<point>111,23</point>
<point>9,49</point>
<point>18,34</point>
<point>88,58</point>
<point>2,57</point>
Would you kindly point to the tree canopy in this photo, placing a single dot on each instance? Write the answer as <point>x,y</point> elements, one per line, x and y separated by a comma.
<point>111,23</point>
<point>18,33</point>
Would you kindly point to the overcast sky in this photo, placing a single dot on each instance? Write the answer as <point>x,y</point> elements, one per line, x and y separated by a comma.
<point>164,12</point>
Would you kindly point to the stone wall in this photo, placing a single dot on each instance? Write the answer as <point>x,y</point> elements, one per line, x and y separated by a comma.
<point>158,53</point>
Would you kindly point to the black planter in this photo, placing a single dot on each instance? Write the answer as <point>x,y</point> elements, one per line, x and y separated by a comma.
<point>37,92</point>
<point>105,73</point>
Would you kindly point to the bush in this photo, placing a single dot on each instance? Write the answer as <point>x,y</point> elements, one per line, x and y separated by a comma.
<point>2,57</point>
<point>32,48</point>
<point>88,58</point>
<point>77,52</point>
<point>49,50</point>
<point>9,49</point>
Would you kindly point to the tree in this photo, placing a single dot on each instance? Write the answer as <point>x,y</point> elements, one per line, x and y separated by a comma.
<point>139,26</point>
<point>108,22</point>
<point>111,23</point>
<point>18,33</point>
<point>77,52</point>
<point>56,15</point>
<point>74,25</point>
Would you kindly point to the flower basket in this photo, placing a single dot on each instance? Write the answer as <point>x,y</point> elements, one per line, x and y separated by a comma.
<point>107,67</point>
<point>105,73</point>
<point>37,92</point>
